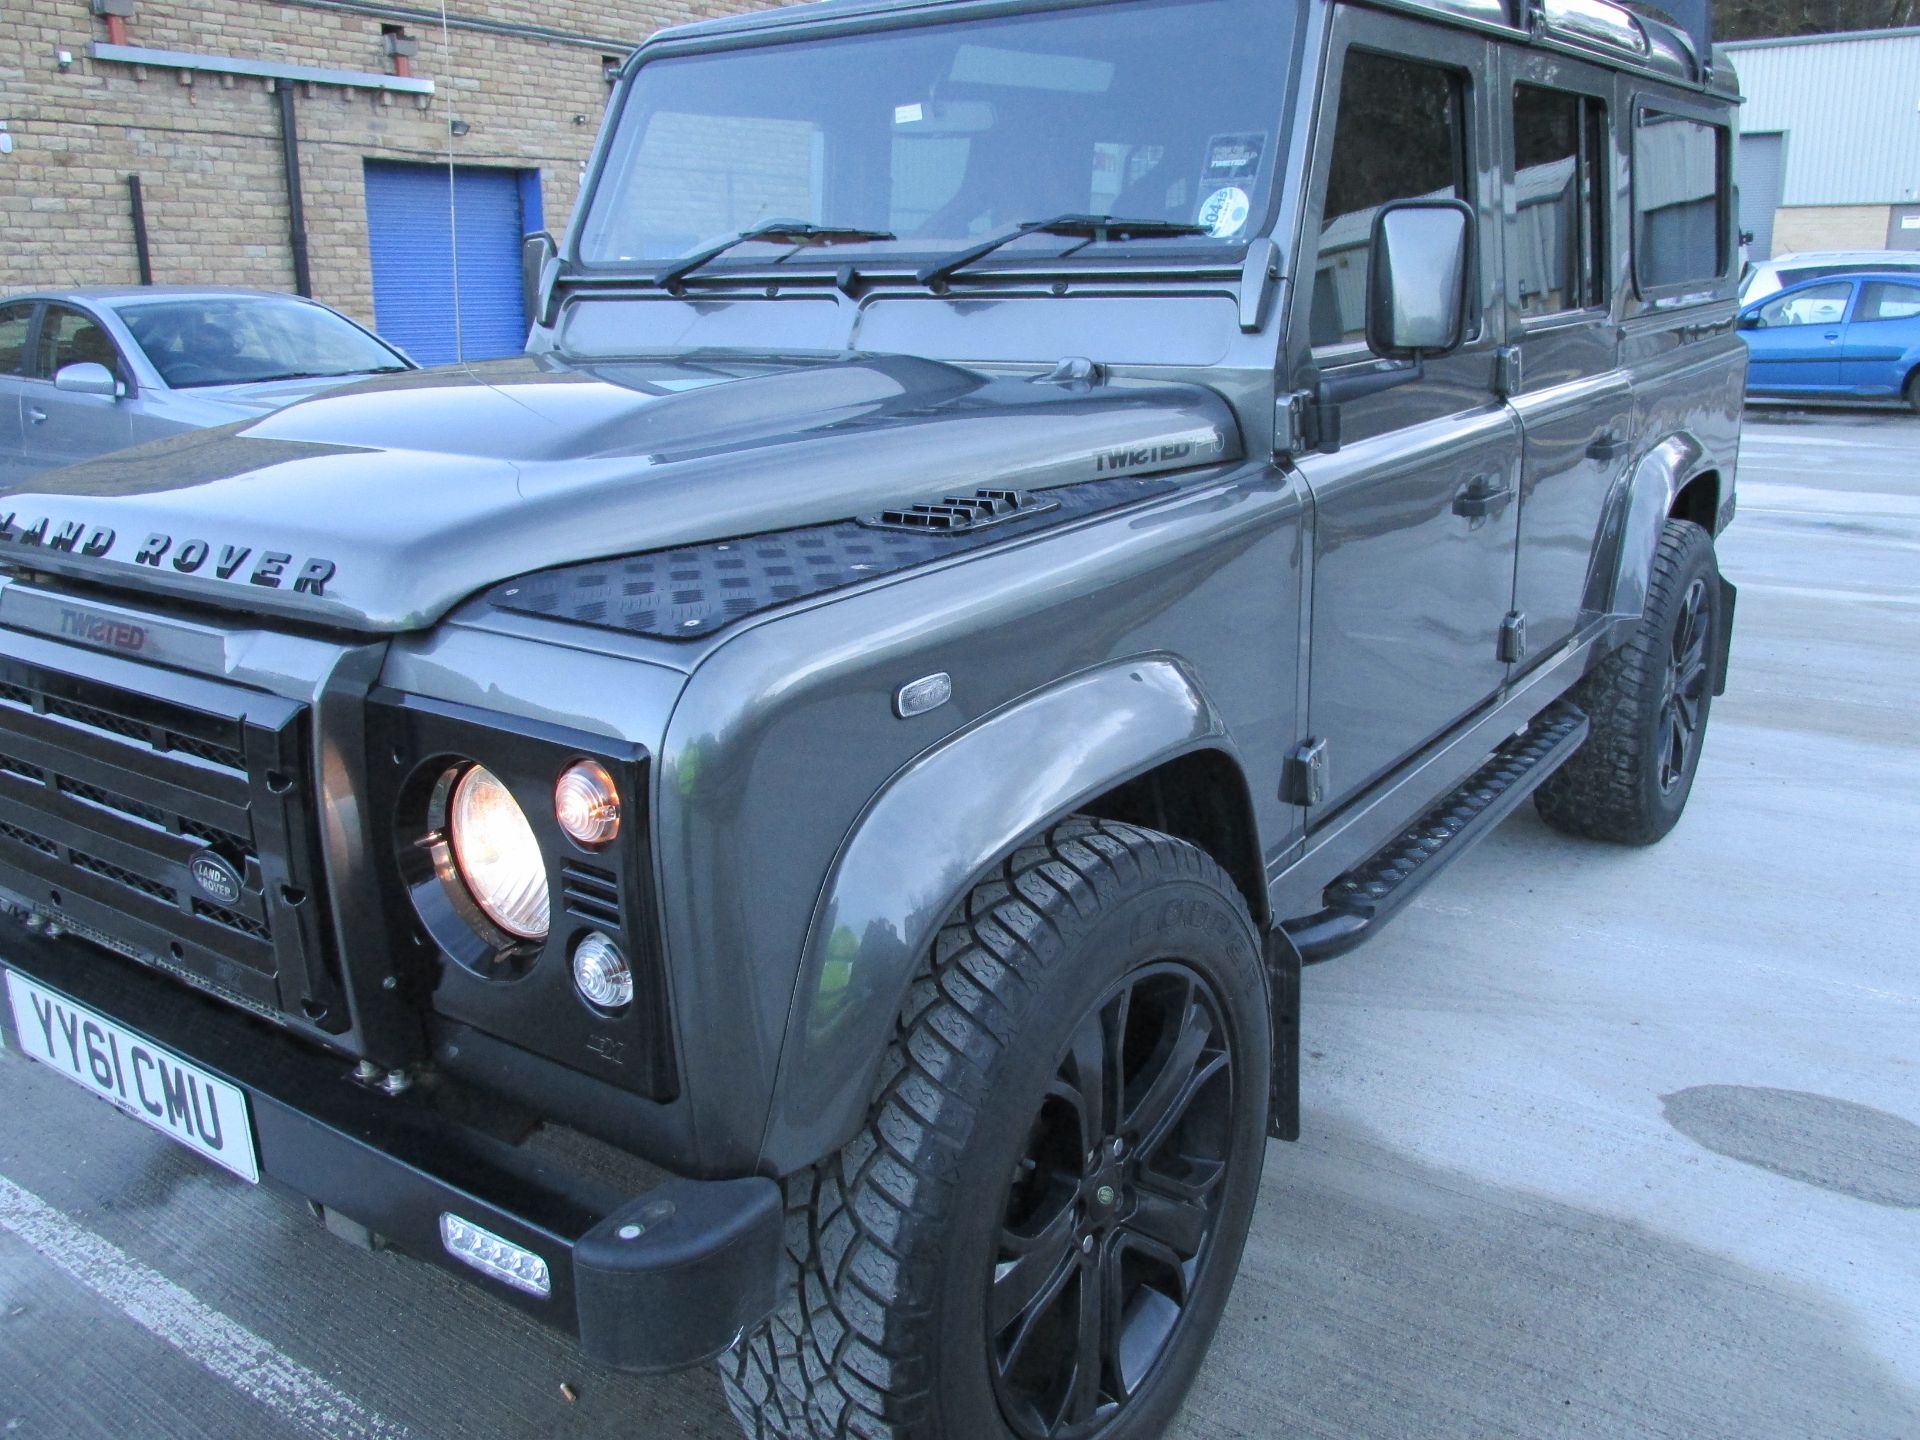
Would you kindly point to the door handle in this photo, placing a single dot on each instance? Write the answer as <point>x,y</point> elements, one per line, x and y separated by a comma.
<point>1482,496</point>
<point>36,414</point>
<point>1606,447</point>
<point>1831,335</point>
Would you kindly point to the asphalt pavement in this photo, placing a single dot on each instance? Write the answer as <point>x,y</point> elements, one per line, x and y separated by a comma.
<point>1598,1142</point>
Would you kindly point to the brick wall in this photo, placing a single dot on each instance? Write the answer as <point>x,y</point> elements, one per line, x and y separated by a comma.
<point>208,152</point>
<point>1830,227</point>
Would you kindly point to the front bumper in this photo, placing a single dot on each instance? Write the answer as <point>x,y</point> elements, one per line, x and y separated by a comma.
<point>698,1261</point>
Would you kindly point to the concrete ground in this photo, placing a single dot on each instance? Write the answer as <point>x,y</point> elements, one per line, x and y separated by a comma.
<point>1597,1142</point>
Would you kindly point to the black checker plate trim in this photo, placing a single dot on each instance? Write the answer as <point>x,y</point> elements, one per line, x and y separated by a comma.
<point>689,593</point>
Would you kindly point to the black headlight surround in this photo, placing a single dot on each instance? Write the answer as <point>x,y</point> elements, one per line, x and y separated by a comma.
<point>459,965</point>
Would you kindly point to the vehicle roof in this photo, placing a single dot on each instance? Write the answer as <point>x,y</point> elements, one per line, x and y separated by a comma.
<point>1801,257</point>
<point>102,294</point>
<point>1896,277</point>
<point>1671,49</point>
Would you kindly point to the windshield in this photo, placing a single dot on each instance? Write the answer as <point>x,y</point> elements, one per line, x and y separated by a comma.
<point>230,340</point>
<point>941,135</point>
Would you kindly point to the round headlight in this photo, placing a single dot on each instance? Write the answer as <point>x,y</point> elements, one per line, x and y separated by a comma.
<point>497,855</point>
<point>587,803</point>
<point>601,972</point>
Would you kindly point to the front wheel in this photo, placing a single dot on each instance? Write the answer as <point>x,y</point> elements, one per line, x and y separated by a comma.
<point>1036,1232</point>
<point>1647,704</point>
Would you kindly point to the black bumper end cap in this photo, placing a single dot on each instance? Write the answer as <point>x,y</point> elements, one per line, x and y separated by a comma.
<point>673,1278</point>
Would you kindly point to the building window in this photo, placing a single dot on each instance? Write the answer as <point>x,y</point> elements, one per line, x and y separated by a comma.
<point>1556,246</point>
<point>1679,201</point>
<point>1400,135</point>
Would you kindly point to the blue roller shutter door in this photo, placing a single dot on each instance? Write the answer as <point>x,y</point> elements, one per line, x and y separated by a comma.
<point>410,235</point>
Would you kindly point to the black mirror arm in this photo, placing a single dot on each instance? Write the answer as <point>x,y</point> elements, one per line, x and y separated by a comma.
<point>1360,381</point>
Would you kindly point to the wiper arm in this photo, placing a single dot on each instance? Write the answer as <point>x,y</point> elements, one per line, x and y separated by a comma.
<point>1092,227</point>
<point>792,232</point>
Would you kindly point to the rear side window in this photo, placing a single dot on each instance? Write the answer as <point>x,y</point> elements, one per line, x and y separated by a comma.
<point>1679,201</point>
<point>1400,135</point>
<point>1888,300</point>
<point>14,321</point>
<point>68,337</point>
<point>1555,236</point>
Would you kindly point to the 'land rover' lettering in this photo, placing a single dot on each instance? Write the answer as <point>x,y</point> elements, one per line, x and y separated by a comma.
<point>267,572</point>
<point>228,561</point>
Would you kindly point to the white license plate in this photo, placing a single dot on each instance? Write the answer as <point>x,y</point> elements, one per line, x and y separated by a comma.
<point>177,1099</point>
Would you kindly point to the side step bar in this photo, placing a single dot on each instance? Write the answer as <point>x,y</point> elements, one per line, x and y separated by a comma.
<point>1369,895</point>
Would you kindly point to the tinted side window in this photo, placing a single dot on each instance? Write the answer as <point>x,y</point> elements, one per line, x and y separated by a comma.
<point>1679,200</point>
<point>1400,135</point>
<point>68,337</point>
<point>14,320</point>
<point>1555,241</point>
<point>1815,305</point>
<point>1885,300</point>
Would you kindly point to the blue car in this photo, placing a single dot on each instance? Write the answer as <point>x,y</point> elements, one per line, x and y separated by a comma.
<point>1847,337</point>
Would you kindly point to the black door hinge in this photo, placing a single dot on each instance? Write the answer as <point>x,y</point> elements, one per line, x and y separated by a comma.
<point>1303,422</point>
<point>1303,779</point>
<point>1513,638</point>
<point>1507,371</point>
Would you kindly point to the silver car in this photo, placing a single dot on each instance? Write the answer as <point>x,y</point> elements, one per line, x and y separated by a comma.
<point>83,372</point>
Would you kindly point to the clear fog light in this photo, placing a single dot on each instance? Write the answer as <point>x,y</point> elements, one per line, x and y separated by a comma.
<point>491,1255</point>
<point>601,972</point>
<point>587,803</point>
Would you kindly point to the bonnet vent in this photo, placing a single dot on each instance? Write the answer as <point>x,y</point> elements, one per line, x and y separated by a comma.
<point>959,514</point>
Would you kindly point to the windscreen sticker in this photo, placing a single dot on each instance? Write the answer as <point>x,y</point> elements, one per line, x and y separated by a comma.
<point>1233,159</point>
<point>908,114</point>
<point>1225,211</point>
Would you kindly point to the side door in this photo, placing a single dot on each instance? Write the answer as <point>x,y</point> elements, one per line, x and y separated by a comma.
<point>1415,512</point>
<point>1881,338</point>
<point>62,428</point>
<point>1573,400</point>
<point>1794,339</point>
<point>16,328</point>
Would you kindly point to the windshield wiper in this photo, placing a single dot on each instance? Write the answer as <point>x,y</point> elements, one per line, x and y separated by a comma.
<point>1093,227</point>
<point>778,232</point>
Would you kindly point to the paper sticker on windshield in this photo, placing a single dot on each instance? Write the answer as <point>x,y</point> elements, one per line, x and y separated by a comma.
<point>1231,158</point>
<point>1225,211</point>
<point>908,114</point>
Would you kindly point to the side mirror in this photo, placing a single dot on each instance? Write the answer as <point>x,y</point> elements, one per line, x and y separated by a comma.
<point>536,250</point>
<point>1419,278</point>
<point>84,377</point>
<point>1752,321</point>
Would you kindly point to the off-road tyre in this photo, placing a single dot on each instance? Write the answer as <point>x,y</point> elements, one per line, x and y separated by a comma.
<point>1622,785</point>
<point>883,1328</point>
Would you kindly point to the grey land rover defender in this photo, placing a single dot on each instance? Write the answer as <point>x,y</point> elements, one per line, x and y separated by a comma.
<point>1020,525</point>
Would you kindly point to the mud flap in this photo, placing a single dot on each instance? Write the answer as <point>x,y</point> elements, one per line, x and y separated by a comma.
<point>1283,1003</point>
<point>1723,642</point>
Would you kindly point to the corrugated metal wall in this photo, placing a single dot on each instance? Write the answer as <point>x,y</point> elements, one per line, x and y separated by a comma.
<point>1851,112</point>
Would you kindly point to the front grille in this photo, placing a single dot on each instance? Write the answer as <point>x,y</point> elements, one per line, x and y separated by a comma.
<point>109,794</point>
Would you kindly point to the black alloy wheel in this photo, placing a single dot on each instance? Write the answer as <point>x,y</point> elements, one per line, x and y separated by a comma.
<point>1036,1232</point>
<point>1684,695</point>
<point>1113,1205</point>
<point>1647,704</point>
